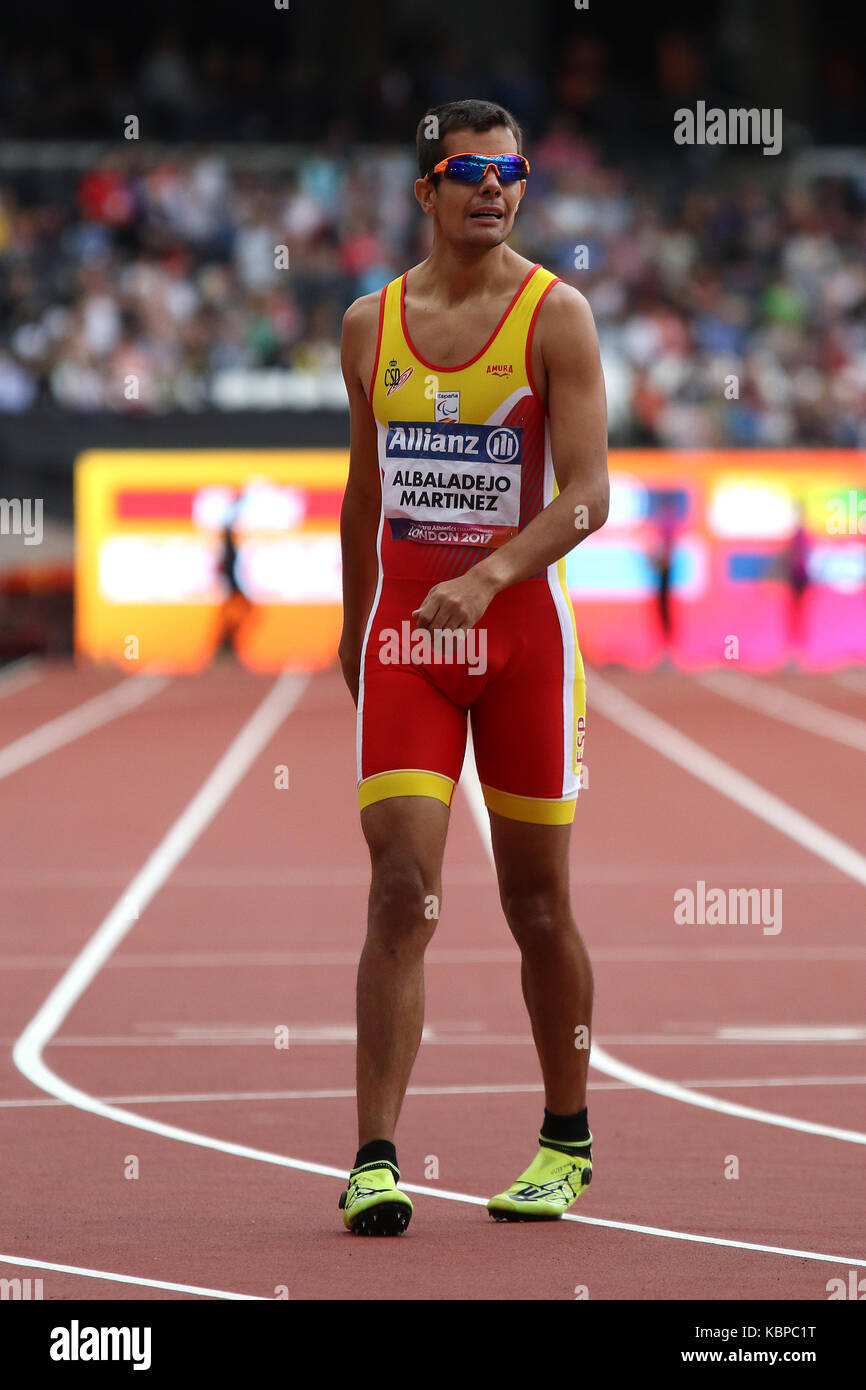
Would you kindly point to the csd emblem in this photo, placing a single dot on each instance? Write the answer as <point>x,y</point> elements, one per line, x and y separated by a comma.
<point>394,378</point>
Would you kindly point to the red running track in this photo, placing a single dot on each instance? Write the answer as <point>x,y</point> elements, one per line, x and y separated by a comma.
<point>257,928</point>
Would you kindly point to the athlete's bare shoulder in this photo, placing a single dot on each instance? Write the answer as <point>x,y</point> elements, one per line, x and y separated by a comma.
<point>361,313</point>
<point>564,318</point>
<point>565,338</point>
<point>564,303</point>
<point>358,341</point>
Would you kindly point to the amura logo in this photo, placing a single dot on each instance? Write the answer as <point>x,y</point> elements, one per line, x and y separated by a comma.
<point>500,369</point>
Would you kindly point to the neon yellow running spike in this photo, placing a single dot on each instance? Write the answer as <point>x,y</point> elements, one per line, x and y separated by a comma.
<point>552,1183</point>
<point>373,1206</point>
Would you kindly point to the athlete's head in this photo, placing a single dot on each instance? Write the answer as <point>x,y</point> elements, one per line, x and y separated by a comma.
<point>468,127</point>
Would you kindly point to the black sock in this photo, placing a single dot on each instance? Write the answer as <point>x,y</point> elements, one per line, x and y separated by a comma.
<point>377,1150</point>
<point>565,1129</point>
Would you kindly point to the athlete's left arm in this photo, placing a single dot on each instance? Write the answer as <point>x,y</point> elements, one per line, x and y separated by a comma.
<point>577,408</point>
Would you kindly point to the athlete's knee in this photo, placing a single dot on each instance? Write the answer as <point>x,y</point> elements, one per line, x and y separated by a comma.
<point>404,902</point>
<point>537,912</point>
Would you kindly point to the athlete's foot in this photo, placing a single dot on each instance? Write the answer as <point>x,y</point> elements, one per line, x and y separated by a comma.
<point>373,1205</point>
<point>552,1183</point>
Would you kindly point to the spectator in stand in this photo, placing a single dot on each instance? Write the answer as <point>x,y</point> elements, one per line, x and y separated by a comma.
<point>732,317</point>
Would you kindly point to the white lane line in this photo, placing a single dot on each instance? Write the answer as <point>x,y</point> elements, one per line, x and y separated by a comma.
<point>90,715</point>
<point>714,1240</point>
<point>343,1038</point>
<point>200,811</point>
<point>504,1088</point>
<point>612,1066</point>
<point>792,1032</point>
<point>671,744</point>
<point>463,875</point>
<point>693,758</point>
<point>17,675</point>
<point>331,1093</point>
<point>27,1053</point>
<point>128,1279</point>
<point>806,715</point>
<point>613,955</point>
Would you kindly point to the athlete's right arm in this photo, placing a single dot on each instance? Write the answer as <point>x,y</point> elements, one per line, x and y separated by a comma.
<point>359,517</point>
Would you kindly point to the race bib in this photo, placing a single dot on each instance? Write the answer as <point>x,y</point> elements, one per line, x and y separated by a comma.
<point>452,484</point>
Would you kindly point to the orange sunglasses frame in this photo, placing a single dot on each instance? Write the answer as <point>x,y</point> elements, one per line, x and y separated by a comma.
<point>443,163</point>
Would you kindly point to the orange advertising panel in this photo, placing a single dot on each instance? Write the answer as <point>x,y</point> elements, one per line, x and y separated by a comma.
<point>181,553</point>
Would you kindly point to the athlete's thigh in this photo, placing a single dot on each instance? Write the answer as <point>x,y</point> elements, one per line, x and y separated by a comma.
<point>406,838</point>
<point>532,861</point>
<point>411,734</point>
<point>528,722</point>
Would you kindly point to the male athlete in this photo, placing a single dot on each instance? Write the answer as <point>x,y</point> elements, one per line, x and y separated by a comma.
<point>478,459</point>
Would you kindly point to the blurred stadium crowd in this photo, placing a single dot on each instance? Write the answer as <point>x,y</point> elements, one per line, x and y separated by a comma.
<point>733,317</point>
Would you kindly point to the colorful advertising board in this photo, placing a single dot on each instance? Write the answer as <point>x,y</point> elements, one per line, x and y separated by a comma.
<point>706,558</point>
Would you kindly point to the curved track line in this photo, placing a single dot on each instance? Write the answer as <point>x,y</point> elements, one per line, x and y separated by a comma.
<point>128,1279</point>
<point>27,1053</point>
<point>599,1058</point>
<point>496,1088</point>
<point>90,715</point>
<point>211,796</point>
<point>612,1066</point>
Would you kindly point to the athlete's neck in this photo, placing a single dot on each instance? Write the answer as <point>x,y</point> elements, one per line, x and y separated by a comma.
<point>452,274</point>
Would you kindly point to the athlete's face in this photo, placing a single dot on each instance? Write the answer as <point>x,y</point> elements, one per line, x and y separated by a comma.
<point>481,214</point>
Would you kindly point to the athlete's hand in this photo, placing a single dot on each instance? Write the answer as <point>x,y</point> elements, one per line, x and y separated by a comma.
<point>455,604</point>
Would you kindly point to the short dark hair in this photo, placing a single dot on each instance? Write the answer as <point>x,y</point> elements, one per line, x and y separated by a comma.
<point>459,115</point>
